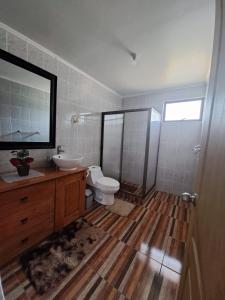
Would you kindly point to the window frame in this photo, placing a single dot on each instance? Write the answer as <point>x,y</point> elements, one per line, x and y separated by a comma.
<point>180,101</point>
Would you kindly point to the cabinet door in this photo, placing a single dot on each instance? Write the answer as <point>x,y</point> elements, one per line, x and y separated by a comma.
<point>70,199</point>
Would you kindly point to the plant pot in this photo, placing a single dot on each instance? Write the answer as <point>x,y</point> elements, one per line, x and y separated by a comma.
<point>23,170</point>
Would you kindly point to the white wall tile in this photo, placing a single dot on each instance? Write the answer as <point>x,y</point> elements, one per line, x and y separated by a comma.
<point>177,162</point>
<point>2,39</point>
<point>17,46</point>
<point>49,63</point>
<point>35,56</point>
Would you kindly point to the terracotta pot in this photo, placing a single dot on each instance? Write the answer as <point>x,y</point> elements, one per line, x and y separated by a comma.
<point>23,170</point>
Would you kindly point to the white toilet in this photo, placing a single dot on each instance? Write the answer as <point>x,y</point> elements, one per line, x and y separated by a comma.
<point>104,187</point>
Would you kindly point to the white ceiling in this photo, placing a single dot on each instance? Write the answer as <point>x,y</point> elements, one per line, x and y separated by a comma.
<point>172,38</point>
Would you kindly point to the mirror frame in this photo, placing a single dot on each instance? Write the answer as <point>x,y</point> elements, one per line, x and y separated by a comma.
<point>53,94</point>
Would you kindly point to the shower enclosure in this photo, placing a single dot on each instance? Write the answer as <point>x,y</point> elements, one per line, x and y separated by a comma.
<point>129,148</point>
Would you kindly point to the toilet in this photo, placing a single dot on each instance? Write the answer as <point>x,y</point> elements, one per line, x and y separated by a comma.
<point>104,187</point>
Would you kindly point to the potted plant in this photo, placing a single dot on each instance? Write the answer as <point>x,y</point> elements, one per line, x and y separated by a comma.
<point>21,161</point>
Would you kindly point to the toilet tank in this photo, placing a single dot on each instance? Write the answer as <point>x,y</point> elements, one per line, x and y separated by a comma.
<point>95,173</point>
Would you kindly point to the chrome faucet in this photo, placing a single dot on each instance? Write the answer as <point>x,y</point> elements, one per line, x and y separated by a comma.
<point>59,149</point>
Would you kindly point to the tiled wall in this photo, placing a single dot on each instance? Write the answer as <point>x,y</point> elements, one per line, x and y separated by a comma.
<point>157,98</point>
<point>177,162</point>
<point>77,93</point>
<point>24,109</point>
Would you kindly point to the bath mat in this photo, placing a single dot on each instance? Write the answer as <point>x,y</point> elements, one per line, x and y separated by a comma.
<point>121,208</point>
<point>47,264</point>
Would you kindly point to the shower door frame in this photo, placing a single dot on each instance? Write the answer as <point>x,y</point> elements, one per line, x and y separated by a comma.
<point>145,171</point>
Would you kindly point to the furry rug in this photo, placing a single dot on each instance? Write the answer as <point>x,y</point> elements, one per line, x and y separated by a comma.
<point>48,263</point>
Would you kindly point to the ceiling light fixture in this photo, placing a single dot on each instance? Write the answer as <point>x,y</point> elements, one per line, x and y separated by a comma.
<point>133,56</point>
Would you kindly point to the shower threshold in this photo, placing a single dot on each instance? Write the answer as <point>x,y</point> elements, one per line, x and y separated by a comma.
<point>133,188</point>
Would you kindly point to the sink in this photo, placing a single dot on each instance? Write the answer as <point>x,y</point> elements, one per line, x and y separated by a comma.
<point>66,162</point>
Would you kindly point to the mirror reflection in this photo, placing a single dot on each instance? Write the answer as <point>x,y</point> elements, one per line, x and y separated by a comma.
<point>24,105</point>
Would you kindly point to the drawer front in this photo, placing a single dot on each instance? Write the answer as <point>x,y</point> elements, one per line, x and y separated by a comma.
<point>19,242</point>
<point>24,221</point>
<point>26,199</point>
<point>26,217</point>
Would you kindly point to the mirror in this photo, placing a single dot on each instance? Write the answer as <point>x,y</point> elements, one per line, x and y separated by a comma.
<point>27,104</point>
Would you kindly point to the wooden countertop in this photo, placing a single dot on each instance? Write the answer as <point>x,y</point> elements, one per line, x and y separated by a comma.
<point>49,174</point>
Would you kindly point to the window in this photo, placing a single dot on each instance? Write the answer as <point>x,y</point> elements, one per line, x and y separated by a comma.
<point>183,110</point>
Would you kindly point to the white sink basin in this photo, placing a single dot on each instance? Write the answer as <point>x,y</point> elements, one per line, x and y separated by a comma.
<point>66,162</point>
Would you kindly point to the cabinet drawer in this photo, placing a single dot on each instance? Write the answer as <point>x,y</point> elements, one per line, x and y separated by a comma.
<point>26,198</point>
<point>23,240</point>
<point>24,221</point>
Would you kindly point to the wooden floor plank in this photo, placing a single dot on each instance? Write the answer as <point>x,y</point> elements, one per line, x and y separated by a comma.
<point>169,285</point>
<point>174,254</point>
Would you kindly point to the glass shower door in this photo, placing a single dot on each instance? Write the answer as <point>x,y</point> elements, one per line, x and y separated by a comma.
<point>112,143</point>
<point>133,151</point>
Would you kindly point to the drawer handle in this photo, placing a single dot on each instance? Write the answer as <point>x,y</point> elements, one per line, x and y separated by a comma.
<point>23,241</point>
<point>24,199</point>
<point>24,221</point>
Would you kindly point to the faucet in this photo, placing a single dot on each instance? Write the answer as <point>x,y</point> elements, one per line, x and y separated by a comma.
<point>59,149</point>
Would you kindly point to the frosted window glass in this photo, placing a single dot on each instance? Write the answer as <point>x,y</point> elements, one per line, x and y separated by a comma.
<point>182,111</point>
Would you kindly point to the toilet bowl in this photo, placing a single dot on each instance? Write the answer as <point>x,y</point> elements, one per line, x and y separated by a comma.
<point>104,187</point>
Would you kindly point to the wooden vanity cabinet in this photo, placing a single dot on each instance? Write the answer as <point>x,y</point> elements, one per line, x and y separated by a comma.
<point>70,199</point>
<point>32,209</point>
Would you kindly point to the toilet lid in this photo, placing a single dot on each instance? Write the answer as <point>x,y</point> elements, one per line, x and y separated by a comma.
<point>107,181</point>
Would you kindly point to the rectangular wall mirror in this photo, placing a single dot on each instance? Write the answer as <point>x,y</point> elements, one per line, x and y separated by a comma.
<point>27,104</point>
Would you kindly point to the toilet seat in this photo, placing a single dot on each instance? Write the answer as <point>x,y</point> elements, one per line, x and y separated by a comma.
<point>107,182</point>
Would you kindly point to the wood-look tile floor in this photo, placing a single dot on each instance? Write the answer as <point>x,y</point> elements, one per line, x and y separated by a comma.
<point>140,257</point>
